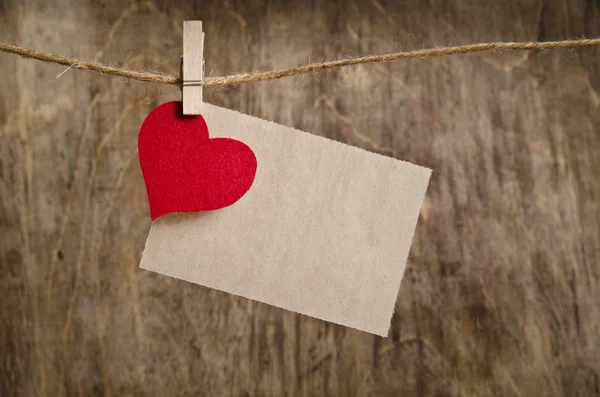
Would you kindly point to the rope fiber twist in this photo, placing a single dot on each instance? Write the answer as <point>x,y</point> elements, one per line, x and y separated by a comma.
<point>310,68</point>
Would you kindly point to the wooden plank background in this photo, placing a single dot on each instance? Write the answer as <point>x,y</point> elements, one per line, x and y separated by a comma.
<point>500,296</point>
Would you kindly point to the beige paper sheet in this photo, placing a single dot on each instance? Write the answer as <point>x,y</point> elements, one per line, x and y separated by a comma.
<point>325,230</point>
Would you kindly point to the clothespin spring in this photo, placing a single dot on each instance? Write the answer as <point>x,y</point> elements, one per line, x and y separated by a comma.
<point>192,83</point>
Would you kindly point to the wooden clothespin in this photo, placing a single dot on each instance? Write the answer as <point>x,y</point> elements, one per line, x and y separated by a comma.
<point>192,68</point>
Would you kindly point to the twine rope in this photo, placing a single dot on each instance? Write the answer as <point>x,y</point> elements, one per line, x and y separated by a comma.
<point>310,68</point>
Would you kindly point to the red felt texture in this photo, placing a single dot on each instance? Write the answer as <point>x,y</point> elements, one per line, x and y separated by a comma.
<point>185,170</point>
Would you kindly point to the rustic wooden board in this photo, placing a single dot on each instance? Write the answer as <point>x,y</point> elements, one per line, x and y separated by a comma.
<point>500,295</point>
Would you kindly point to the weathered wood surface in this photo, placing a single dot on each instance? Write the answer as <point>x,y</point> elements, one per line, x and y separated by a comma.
<point>501,293</point>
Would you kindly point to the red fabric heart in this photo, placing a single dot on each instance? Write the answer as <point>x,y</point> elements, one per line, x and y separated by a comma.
<point>184,170</point>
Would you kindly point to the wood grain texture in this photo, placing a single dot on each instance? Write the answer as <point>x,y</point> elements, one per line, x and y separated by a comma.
<point>192,67</point>
<point>500,295</point>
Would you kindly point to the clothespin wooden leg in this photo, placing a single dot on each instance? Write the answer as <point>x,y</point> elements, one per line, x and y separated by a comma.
<point>193,74</point>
